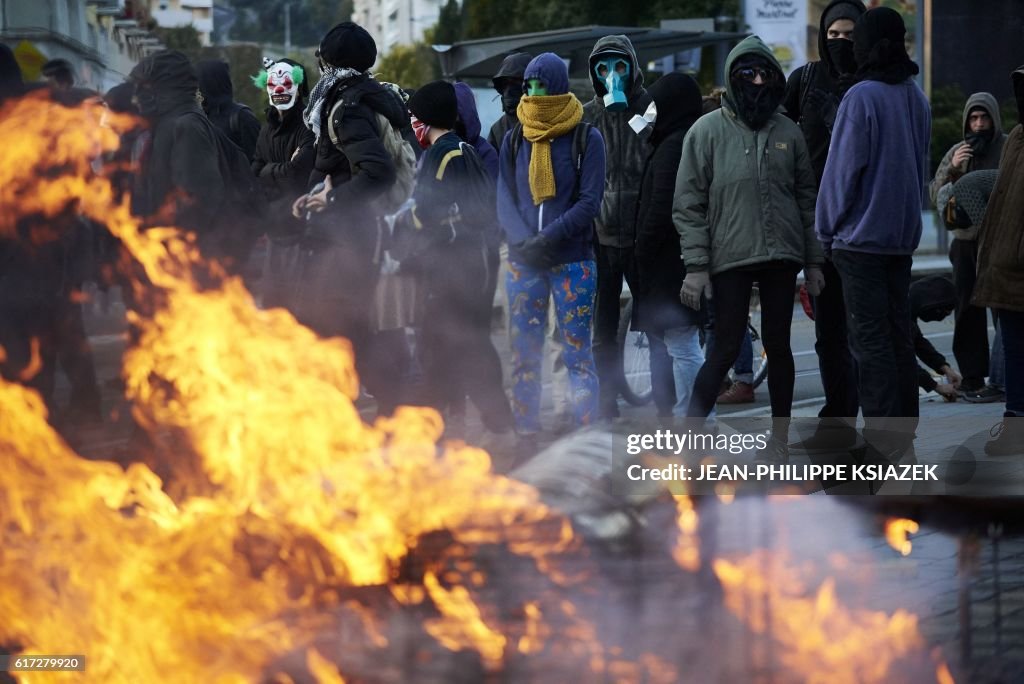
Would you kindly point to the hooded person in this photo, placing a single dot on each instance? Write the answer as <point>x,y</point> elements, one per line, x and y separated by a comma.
<point>233,119</point>
<point>869,217</point>
<point>459,358</point>
<point>11,83</point>
<point>813,94</point>
<point>547,204</point>
<point>178,166</point>
<point>618,89</point>
<point>1000,283</point>
<point>744,211</point>
<point>468,128</point>
<point>980,149</point>
<point>352,173</point>
<point>508,82</point>
<point>674,104</point>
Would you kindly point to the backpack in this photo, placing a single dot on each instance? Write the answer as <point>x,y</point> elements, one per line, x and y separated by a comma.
<point>579,150</point>
<point>400,151</point>
<point>478,210</point>
<point>806,76</point>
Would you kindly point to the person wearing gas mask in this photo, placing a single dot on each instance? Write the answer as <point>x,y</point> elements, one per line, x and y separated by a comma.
<point>283,161</point>
<point>508,82</point>
<point>551,175</point>
<point>980,149</point>
<point>869,214</point>
<point>673,329</point>
<point>813,94</point>
<point>1000,284</point>
<point>618,89</point>
<point>744,211</point>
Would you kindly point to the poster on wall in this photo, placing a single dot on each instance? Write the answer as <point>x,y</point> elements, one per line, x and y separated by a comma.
<point>782,25</point>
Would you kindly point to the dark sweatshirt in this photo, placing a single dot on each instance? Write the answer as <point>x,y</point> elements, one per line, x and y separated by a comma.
<point>931,299</point>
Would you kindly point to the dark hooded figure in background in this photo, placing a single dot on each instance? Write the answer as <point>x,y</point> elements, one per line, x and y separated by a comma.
<point>509,84</point>
<point>674,104</point>
<point>11,83</point>
<point>179,171</point>
<point>234,119</point>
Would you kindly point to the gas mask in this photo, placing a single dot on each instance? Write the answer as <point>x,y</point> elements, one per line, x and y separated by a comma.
<point>282,81</point>
<point>614,72</point>
<point>643,125</point>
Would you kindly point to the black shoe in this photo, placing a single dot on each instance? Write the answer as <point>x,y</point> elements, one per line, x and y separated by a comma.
<point>985,395</point>
<point>1009,437</point>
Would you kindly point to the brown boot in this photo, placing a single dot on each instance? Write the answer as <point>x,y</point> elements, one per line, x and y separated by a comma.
<point>739,393</point>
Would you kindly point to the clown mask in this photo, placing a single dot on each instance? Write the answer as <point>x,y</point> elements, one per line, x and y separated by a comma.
<point>282,81</point>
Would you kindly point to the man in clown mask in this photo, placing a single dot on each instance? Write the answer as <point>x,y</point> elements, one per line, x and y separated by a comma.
<point>283,161</point>
<point>618,88</point>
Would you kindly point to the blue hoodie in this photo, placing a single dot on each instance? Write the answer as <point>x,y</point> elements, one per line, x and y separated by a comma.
<point>870,196</point>
<point>570,226</point>
<point>471,120</point>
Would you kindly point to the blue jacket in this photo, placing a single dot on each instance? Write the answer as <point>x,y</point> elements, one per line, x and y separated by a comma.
<point>570,226</point>
<point>471,121</point>
<point>870,196</point>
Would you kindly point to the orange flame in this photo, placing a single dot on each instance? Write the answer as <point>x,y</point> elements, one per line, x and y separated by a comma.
<point>896,532</point>
<point>686,552</point>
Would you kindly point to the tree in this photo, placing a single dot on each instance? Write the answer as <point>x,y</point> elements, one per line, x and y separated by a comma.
<point>449,27</point>
<point>409,66</point>
<point>183,38</point>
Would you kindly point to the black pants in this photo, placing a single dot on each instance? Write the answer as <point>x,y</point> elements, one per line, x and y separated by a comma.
<point>776,283</point>
<point>613,264</point>
<point>970,331</point>
<point>459,358</point>
<point>838,369</point>
<point>876,289</point>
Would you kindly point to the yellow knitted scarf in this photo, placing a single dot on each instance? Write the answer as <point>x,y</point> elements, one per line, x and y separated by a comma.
<point>544,118</point>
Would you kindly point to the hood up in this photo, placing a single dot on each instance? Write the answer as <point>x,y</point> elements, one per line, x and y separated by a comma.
<point>679,104</point>
<point>620,45</point>
<point>823,54</point>
<point>171,77</point>
<point>988,102</point>
<point>552,72</point>
<point>513,66</point>
<point>749,45</point>
<point>933,292</point>
<point>215,82</point>
<point>468,115</point>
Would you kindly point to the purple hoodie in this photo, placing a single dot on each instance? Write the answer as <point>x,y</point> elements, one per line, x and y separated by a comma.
<point>471,120</point>
<point>871,191</point>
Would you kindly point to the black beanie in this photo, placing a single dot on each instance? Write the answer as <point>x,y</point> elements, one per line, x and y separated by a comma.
<point>843,10</point>
<point>348,45</point>
<point>435,104</point>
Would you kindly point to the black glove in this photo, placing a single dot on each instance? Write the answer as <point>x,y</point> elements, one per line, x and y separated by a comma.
<point>537,252</point>
<point>821,106</point>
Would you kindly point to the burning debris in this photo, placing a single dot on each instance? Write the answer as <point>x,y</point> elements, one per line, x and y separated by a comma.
<point>293,542</point>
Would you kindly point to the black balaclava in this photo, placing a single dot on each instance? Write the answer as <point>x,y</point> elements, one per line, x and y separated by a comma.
<point>757,103</point>
<point>879,49</point>
<point>840,51</point>
<point>979,141</point>
<point>678,100</point>
<point>509,81</point>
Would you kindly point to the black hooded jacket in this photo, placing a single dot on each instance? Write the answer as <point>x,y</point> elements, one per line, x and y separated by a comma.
<point>823,95</point>
<point>235,120</point>
<point>179,168</point>
<point>285,153</point>
<point>360,167</point>
<point>658,258</point>
<point>625,151</point>
<point>927,297</point>
<point>513,66</point>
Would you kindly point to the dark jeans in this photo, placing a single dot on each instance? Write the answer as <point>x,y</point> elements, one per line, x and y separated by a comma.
<point>613,264</point>
<point>876,290</point>
<point>970,331</point>
<point>1011,327</point>
<point>663,382</point>
<point>457,335</point>
<point>838,369</point>
<point>731,289</point>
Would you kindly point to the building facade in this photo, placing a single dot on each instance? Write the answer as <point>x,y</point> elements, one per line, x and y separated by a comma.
<point>396,22</point>
<point>102,39</point>
<point>178,13</point>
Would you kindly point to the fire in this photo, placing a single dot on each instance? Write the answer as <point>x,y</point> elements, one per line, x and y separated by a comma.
<point>687,549</point>
<point>897,531</point>
<point>817,637</point>
<point>291,500</point>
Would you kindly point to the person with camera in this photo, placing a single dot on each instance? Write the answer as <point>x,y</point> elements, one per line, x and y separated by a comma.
<point>980,150</point>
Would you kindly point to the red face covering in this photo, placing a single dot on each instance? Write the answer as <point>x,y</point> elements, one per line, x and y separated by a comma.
<point>421,130</point>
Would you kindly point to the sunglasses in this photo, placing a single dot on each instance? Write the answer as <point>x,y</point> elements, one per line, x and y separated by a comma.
<point>750,74</point>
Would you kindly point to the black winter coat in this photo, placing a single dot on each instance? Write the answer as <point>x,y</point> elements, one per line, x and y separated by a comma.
<point>233,119</point>
<point>284,176</point>
<point>360,168</point>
